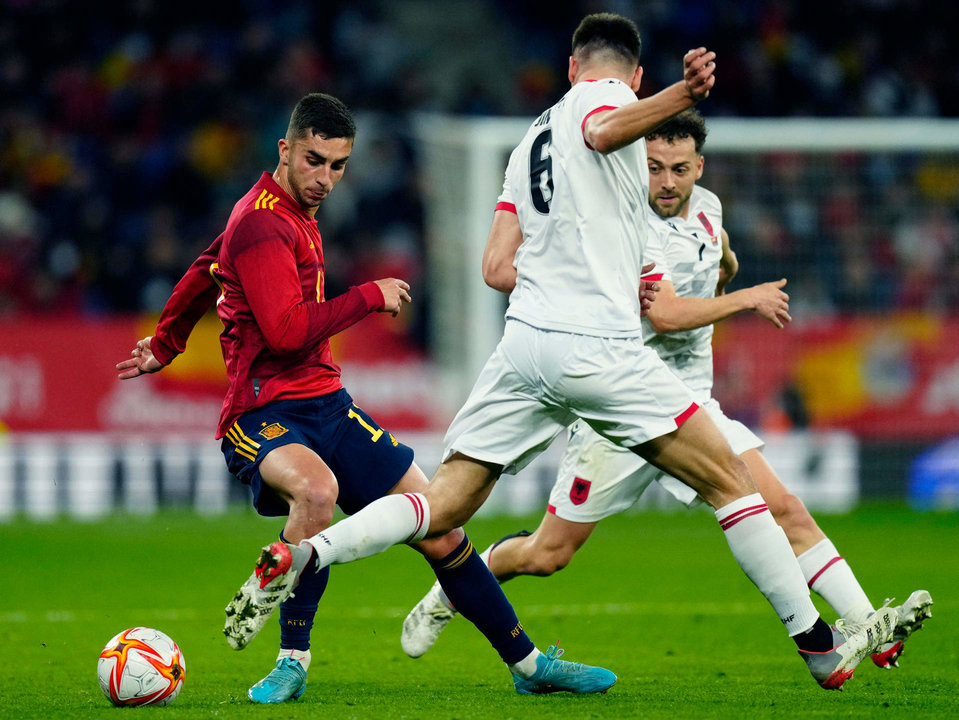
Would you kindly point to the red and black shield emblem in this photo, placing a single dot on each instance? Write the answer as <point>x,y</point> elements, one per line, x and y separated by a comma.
<point>580,491</point>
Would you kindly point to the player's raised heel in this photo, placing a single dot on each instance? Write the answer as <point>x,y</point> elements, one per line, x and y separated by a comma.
<point>287,681</point>
<point>555,675</point>
<point>852,643</point>
<point>911,614</point>
<point>270,584</point>
<point>425,623</point>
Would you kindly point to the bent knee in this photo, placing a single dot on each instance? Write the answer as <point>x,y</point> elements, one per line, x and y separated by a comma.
<point>791,514</point>
<point>317,497</point>
<point>436,548</point>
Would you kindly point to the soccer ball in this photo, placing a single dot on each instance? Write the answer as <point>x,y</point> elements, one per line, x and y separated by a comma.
<point>141,666</point>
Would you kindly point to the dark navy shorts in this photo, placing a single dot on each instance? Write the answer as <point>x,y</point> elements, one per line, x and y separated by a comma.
<point>366,460</point>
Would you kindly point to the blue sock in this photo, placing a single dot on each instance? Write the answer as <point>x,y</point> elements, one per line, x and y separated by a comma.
<point>474,592</point>
<point>297,613</point>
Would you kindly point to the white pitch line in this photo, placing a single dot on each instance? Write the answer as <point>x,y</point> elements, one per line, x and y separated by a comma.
<point>373,612</point>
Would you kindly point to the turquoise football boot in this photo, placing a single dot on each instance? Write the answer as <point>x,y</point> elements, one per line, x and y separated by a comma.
<point>555,675</point>
<point>287,681</point>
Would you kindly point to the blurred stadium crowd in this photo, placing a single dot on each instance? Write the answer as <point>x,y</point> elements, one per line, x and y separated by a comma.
<point>125,138</point>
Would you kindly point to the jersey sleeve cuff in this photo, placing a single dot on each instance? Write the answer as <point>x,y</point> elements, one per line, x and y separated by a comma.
<point>507,206</point>
<point>372,295</point>
<point>161,351</point>
<point>592,112</point>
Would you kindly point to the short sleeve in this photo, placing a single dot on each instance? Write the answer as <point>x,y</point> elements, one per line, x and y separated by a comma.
<point>505,200</point>
<point>597,96</point>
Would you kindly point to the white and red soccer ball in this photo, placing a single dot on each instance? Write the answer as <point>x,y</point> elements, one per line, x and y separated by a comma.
<point>141,666</point>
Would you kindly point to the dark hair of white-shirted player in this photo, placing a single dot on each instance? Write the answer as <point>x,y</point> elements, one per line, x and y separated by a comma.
<point>609,35</point>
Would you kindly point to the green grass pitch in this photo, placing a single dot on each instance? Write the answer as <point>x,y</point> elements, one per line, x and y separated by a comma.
<point>656,598</point>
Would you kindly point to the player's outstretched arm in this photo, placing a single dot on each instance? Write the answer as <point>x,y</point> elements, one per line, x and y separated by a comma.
<point>769,301</point>
<point>611,130</point>
<point>261,259</point>
<point>192,297</point>
<point>672,313</point>
<point>141,362</point>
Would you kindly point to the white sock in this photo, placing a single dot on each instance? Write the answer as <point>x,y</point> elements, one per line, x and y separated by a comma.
<point>302,656</point>
<point>301,556</point>
<point>485,555</point>
<point>442,596</point>
<point>763,552</point>
<point>385,522</point>
<point>828,574</point>
<point>526,667</point>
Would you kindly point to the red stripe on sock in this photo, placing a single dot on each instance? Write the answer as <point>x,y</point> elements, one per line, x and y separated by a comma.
<point>727,523</point>
<point>824,568</point>
<point>741,511</point>
<point>418,507</point>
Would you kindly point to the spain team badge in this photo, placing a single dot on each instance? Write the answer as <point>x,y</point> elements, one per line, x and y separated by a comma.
<point>272,431</point>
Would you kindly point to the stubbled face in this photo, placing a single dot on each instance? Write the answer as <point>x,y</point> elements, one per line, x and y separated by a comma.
<point>674,168</point>
<point>311,166</point>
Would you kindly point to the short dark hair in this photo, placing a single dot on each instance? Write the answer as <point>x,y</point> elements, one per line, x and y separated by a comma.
<point>322,115</point>
<point>688,124</point>
<point>608,32</point>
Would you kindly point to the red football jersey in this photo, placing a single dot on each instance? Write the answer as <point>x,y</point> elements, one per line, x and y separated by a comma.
<point>268,264</point>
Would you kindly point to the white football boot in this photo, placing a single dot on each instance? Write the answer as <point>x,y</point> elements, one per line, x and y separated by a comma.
<point>853,642</point>
<point>425,623</point>
<point>271,583</point>
<point>912,613</point>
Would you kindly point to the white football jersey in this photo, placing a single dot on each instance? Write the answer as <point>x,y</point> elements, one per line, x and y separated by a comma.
<point>692,249</point>
<point>583,216</point>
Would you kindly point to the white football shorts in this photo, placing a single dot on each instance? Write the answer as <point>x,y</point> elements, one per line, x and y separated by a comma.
<point>537,382</point>
<point>597,479</point>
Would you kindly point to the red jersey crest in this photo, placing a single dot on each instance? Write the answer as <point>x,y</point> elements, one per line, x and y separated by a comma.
<point>706,224</point>
<point>709,227</point>
<point>580,491</point>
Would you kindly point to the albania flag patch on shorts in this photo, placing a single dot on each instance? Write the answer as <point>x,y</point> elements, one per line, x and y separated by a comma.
<point>580,491</point>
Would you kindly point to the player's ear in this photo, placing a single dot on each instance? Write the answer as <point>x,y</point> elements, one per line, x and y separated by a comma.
<point>284,149</point>
<point>699,167</point>
<point>573,69</point>
<point>637,79</point>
